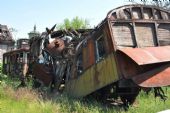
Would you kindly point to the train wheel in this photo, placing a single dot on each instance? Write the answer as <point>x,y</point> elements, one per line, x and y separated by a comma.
<point>57,86</point>
<point>36,83</point>
<point>128,95</point>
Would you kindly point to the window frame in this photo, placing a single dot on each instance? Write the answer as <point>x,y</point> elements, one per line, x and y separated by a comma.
<point>98,57</point>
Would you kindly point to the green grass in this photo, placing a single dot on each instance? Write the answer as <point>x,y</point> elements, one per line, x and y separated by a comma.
<point>27,100</point>
<point>150,104</point>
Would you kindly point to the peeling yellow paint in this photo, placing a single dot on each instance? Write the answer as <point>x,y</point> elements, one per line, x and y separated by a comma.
<point>97,76</point>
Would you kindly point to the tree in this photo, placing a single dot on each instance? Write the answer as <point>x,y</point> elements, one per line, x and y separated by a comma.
<point>14,32</point>
<point>75,23</point>
<point>159,3</point>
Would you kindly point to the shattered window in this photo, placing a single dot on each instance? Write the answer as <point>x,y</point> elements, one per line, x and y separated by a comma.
<point>21,57</point>
<point>100,48</point>
<point>5,61</point>
<point>79,64</point>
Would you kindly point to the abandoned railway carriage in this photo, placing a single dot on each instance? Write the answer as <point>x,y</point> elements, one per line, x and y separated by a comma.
<point>128,51</point>
<point>15,62</point>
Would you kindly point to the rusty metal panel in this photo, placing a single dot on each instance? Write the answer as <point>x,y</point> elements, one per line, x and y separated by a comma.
<point>88,54</point>
<point>85,56</point>
<point>43,73</point>
<point>96,77</point>
<point>155,78</point>
<point>56,47</point>
<point>148,55</point>
<point>145,34</point>
<point>91,59</point>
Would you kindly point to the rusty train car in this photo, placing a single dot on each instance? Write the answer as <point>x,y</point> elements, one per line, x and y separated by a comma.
<point>16,62</point>
<point>53,55</point>
<point>127,52</point>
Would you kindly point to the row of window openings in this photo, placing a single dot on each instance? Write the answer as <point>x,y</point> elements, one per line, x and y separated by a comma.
<point>19,57</point>
<point>99,52</point>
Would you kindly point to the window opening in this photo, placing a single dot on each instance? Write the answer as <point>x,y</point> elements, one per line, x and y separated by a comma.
<point>100,48</point>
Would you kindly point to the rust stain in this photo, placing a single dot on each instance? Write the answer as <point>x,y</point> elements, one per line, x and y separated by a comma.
<point>148,55</point>
<point>147,67</point>
<point>56,47</point>
<point>155,78</point>
<point>96,76</point>
<point>43,73</point>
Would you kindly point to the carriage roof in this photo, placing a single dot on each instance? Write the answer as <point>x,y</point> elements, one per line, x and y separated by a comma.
<point>138,11</point>
<point>16,51</point>
<point>62,32</point>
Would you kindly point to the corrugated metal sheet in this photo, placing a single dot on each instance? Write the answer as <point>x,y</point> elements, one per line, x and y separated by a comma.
<point>149,55</point>
<point>155,78</point>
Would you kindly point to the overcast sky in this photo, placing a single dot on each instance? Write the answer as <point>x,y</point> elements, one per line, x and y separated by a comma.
<point>23,14</point>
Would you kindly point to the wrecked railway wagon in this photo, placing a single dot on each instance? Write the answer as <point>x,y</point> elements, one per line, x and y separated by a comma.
<point>15,62</point>
<point>128,51</point>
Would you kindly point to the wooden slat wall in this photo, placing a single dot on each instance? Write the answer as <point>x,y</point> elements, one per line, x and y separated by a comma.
<point>123,34</point>
<point>145,34</point>
<point>164,34</point>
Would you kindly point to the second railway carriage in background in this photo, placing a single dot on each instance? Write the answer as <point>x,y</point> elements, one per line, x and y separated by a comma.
<point>15,62</point>
<point>129,50</point>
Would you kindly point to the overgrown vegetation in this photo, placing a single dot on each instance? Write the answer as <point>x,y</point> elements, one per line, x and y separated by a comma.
<point>27,100</point>
<point>75,23</point>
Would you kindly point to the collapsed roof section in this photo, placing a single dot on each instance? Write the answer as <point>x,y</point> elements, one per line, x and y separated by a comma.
<point>5,35</point>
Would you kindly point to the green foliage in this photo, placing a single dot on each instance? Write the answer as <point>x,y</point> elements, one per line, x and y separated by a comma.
<point>29,101</point>
<point>150,104</point>
<point>75,23</point>
<point>26,100</point>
